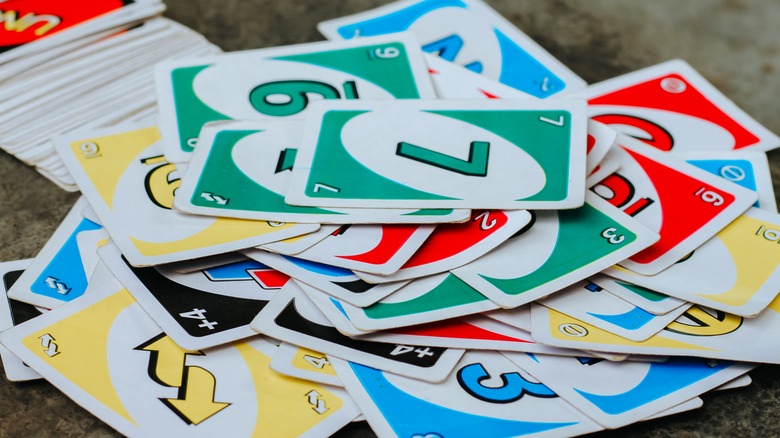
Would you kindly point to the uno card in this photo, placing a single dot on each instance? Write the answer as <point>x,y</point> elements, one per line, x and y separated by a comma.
<point>130,186</point>
<point>473,332</point>
<point>684,204</point>
<point>201,309</point>
<point>61,270</point>
<point>699,332</point>
<point>442,154</point>
<point>291,317</point>
<point>606,311</point>
<point>606,167</point>
<point>295,361</point>
<point>30,23</point>
<point>279,83</point>
<point>619,394</point>
<point>13,313</point>
<point>468,33</point>
<point>559,249</point>
<point>519,317</point>
<point>486,394</point>
<point>243,169</point>
<point>333,309</point>
<point>601,138</point>
<point>454,245</point>
<point>339,282</point>
<point>379,249</point>
<point>671,107</point>
<point>82,346</point>
<point>748,169</point>
<point>646,299</point>
<point>737,271</point>
<point>434,298</point>
<point>452,81</point>
<point>296,245</point>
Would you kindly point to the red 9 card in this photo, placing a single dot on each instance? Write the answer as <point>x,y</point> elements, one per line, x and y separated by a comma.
<point>672,107</point>
<point>25,21</point>
<point>684,204</point>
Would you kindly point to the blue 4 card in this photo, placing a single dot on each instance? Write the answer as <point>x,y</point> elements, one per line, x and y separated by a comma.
<point>745,168</point>
<point>616,394</point>
<point>60,272</point>
<point>468,33</point>
<point>485,394</point>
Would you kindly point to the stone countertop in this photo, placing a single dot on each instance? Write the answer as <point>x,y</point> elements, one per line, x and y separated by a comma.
<point>733,43</point>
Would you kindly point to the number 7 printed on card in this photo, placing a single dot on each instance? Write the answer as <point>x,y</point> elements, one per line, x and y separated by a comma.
<point>442,154</point>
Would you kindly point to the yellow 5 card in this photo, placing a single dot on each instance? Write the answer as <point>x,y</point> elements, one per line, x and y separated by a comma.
<point>737,271</point>
<point>105,353</point>
<point>699,332</point>
<point>124,176</point>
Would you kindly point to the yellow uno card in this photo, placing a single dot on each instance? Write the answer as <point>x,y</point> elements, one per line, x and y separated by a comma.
<point>105,353</point>
<point>737,271</point>
<point>699,332</point>
<point>126,179</point>
<point>303,363</point>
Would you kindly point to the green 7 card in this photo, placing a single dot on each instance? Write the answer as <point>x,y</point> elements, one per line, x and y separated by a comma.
<point>559,249</point>
<point>104,352</point>
<point>126,179</point>
<point>280,83</point>
<point>498,154</point>
<point>243,169</point>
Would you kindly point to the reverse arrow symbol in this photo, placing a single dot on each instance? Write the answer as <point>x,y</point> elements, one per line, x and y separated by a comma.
<point>317,404</point>
<point>57,285</point>
<point>47,342</point>
<point>214,198</point>
<point>196,403</point>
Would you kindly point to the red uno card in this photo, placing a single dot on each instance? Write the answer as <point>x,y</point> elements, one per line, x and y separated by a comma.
<point>25,21</point>
<point>684,204</point>
<point>373,248</point>
<point>454,245</point>
<point>672,107</point>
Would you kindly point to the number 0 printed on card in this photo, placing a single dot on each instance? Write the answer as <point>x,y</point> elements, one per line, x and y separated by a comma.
<point>415,154</point>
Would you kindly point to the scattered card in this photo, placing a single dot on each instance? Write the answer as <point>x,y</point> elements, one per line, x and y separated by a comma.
<point>443,154</point>
<point>468,33</point>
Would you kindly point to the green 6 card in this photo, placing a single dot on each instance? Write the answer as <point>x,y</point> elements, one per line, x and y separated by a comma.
<point>280,83</point>
<point>242,170</point>
<point>560,249</point>
<point>442,154</point>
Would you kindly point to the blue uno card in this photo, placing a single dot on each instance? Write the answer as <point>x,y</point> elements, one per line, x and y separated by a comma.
<point>616,394</point>
<point>61,271</point>
<point>468,33</point>
<point>747,169</point>
<point>486,393</point>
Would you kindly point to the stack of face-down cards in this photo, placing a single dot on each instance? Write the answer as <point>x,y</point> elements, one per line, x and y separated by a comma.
<point>64,66</point>
<point>428,223</point>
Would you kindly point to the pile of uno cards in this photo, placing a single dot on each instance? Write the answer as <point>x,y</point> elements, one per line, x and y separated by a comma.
<point>66,65</point>
<point>427,223</point>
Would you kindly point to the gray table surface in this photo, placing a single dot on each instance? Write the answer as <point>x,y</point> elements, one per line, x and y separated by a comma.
<point>734,43</point>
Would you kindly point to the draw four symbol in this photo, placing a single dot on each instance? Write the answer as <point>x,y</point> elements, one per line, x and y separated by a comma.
<point>47,342</point>
<point>195,402</point>
<point>318,405</point>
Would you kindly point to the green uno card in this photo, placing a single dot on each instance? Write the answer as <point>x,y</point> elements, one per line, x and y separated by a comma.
<point>280,82</point>
<point>442,154</point>
<point>560,249</point>
<point>242,170</point>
